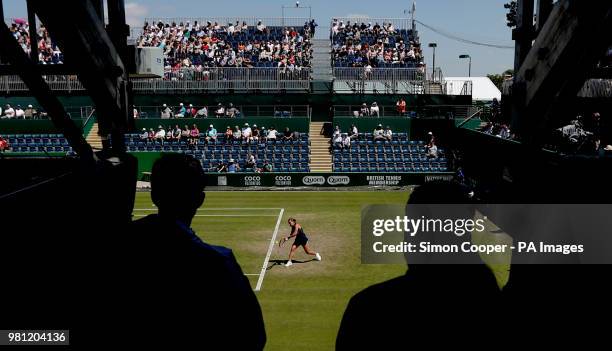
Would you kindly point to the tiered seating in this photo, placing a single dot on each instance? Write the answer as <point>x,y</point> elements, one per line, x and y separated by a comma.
<point>399,155</point>
<point>284,156</point>
<point>404,34</point>
<point>199,46</point>
<point>37,143</point>
<point>48,51</point>
<point>402,50</point>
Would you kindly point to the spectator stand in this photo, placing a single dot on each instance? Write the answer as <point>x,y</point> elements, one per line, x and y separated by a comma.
<point>36,137</point>
<point>376,55</point>
<point>404,151</point>
<point>287,156</point>
<point>230,53</point>
<point>252,74</point>
<point>47,49</point>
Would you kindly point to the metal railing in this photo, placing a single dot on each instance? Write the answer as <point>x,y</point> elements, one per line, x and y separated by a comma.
<point>67,83</point>
<point>233,78</point>
<point>218,79</point>
<point>427,111</point>
<point>245,111</point>
<point>457,87</point>
<point>378,74</point>
<point>437,75</point>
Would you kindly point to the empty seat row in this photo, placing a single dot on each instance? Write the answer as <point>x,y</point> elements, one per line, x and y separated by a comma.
<point>41,148</point>
<point>388,169</point>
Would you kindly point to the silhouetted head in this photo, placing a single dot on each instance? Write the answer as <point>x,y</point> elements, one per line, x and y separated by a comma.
<point>177,186</point>
<point>440,201</point>
<point>439,193</point>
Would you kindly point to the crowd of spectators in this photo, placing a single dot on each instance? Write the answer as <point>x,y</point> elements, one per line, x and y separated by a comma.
<point>374,45</point>
<point>198,47</point>
<point>233,166</point>
<point>17,112</point>
<point>190,111</point>
<point>344,141</point>
<point>374,110</point>
<point>500,130</point>
<point>585,134</point>
<point>192,135</point>
<point>48,51</point>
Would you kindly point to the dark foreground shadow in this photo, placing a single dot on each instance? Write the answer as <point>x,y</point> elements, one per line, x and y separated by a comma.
<point>275,263</point>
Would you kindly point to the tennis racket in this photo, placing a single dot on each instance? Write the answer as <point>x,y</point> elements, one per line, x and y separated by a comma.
<point>282,242</point>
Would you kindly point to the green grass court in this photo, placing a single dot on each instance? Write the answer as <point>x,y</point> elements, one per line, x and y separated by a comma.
<point>303,304</point>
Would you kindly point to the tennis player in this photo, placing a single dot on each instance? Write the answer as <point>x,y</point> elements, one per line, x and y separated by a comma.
<point>297,232</point>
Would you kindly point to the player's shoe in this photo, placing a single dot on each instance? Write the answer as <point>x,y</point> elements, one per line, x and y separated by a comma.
<point>318,257</point>
<point>288,264</point>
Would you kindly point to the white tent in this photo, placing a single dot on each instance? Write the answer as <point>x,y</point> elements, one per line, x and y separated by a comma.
<point>483,88</point>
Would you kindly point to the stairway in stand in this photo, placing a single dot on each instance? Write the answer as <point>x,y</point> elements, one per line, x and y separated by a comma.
<point>93,138</point>
<point>320,157</point>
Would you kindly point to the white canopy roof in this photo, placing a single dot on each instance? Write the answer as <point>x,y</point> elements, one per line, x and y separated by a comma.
<point>483,88</point>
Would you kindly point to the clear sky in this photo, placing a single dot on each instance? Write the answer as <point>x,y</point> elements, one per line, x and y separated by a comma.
<point>476,20</point>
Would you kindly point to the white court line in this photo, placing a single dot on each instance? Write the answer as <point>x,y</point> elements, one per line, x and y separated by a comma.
<point>264,268</point>
<point>218,209</point>
<point>220,215</point>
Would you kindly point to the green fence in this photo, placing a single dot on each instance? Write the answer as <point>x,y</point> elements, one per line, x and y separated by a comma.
<point>27,126</point>
<point>300,124</point>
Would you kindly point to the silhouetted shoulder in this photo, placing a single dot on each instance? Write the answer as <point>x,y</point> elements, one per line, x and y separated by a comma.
<point>437,302</point>
<point>157,234</point>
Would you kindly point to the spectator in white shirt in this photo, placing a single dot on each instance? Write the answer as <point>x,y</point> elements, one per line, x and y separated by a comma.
<point>160,135</point>
<point>232,111</point>
<point>260,27</point>
<point>353,132</point>
<point>9,112</point>
<point>19,112</point>
<point>388,134</point>
<point>237,134</point>
<point>251,162</point>
<point>375,110</point>
<point>203,112</point>
<point>166,112</point>
<point>220,111</point>
<point>432,151</point>
<point>377,134</point>
<point>346,142</point>
<point>144,136</point>
<point>246,132</point>
<point>364,111</point>
<point>272,133</point>
<point>337,141</point>
<point>336,131</point>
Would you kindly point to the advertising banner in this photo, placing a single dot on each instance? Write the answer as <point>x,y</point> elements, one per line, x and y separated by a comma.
<point>324,179</point>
